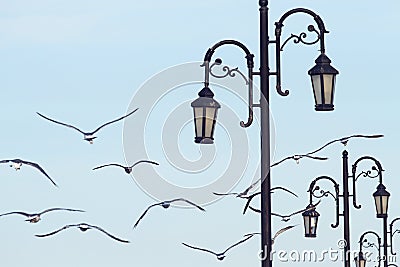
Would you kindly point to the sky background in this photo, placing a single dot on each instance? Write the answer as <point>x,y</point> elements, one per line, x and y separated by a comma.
<point>88,62</point>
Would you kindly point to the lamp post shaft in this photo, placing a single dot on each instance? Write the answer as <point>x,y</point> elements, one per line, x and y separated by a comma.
<point>266,245</point>
<point>385,241</point>
<point>346,213</point>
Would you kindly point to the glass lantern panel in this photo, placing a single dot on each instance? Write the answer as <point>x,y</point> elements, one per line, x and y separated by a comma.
<point>316,83</point>
<point>209,123</point>
<point>328,87</point>
<point>198,118</point>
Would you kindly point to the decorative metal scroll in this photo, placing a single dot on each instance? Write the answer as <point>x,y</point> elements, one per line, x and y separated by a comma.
<point>317,192</point>
<point>227,71</point>
<point>374,172</point>
<point>300,38</point>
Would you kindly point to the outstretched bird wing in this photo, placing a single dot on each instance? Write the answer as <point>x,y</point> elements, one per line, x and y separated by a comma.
<point>249,198</point>
<point>52,209</point>
<point>5,161</point>
<point>189,202</point>
<point>105,124</point>
<point>144,213</point>
<point>35,165</point>
<point>202,249</point>
<point>106,165</point>
<point>345,139</point>
<point>17,212</point>
<point>144,161</point>
<point>56,231</point>
<point>238,243</point>
<point>282,231</point>
<point>110,235</point>
<point>284,189</point>
<point>61,123</point>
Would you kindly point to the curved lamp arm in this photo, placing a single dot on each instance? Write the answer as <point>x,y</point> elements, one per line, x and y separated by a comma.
<point>322,193</point>
<point>369,173</point>
<point>297,39</point>
<point>362,241</point>
<point>391,233</point>
<point>250,65</point>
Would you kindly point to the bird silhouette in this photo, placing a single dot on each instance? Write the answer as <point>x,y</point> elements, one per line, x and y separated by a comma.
<point>286,218</point>
<point>297,159</point>
<point>166,204</point>
<point>250,197</point>
<point>36,217</point>
<point>87,136</point>
<point>245,192</point>
<point>17,163</point>
<point>220,256</point>
<point>279,232</point>
<point>128,169</point>
<point>83,227</point>
<point>345,140</point>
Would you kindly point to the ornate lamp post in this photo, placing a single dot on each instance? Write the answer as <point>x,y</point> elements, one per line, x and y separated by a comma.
<point>381,197</point>
<point>323,82</point>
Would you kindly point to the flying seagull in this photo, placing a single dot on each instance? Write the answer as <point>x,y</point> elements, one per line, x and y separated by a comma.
<point>250,197</point>
<point>284,229</point>
<point>245,192</point>
<point>286,218</point>
<point>35,217</point>
<point>297,159</point>
<point>128,169</point>
<point>345,140</point>
<point>84,227</point>
<point>87,136</point>
<point>17,163</point>
<point>220,256</point>
<point>166,204</point>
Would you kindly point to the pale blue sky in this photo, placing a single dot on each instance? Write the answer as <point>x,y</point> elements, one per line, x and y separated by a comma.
<point>87,62</point>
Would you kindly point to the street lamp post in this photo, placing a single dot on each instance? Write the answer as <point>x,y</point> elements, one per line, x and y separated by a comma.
<point>361,260</point>
<point>323,84</point>
<point>381,197</point>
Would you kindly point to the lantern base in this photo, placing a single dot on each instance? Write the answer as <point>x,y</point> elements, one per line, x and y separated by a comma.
<point>310,235</point>
<point>324,107</point>
<point>381,215</point>
<point>202,140</point>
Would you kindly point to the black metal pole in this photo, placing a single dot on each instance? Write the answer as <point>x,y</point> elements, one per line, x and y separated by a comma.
<point>346,213</point>
<point>385,242</point>
<point>266,245</point>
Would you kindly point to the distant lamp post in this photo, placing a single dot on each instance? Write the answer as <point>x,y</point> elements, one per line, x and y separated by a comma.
<point>310,217</point>
<point>323,77</point>
<point>381,197</point>
<point>205,110</point>
<point>360,260</point>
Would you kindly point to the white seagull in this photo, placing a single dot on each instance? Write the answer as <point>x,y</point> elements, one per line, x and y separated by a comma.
<point>220,256</point>
<point>17,163</point>
<point>166,204</point>
<point>35,217</point>
<point>84,227</point>
<point>87,136</point>
<point>280,231</point>
<point>128,169</point>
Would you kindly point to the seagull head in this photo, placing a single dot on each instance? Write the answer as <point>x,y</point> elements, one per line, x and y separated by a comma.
<point>165,205</point>
<point>33,219</point>
<point>16,165</point>
<point>83,227</point>
<point>90,138</point>
<point>220,257</point>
